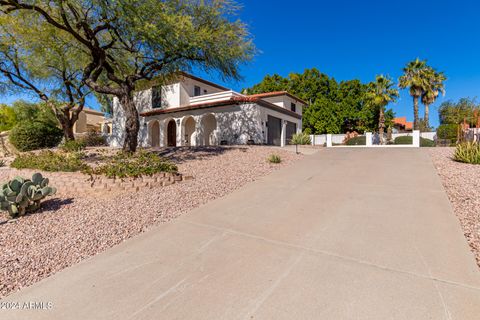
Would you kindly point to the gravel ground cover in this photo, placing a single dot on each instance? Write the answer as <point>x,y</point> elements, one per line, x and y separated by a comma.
<point>68,230</point>
<point>462,183</point>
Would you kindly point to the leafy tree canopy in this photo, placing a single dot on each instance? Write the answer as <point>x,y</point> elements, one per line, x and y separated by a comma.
<point>8,118</point>
<point>451,112</point>
<point>334,107</point>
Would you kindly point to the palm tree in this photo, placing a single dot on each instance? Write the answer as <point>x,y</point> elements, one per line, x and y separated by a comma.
<point>434,87</point>
<point>380,93</point>
<point>414,77</point>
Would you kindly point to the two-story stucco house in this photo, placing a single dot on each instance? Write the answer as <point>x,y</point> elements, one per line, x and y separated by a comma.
<point>195,112</point>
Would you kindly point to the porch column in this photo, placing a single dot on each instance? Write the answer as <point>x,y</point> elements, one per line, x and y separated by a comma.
<point>178,123</point>
<point>163,133</point>
<point>283,136</point>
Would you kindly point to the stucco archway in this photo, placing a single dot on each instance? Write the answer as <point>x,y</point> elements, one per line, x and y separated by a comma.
<point>171,136</point>
<point>154,133</point>
<point>189,125</point>
<point>209,125</point>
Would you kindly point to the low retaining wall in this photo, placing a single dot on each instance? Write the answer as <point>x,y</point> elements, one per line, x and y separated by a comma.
<point>73,184</point>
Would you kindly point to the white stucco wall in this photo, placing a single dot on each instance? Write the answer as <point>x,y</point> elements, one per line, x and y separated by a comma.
<point>285,102</point>
<point>188,89</point>
<point>143,103</point>
<point>236,124</point>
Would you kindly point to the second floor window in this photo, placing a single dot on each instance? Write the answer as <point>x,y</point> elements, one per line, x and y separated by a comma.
<point>157,97</point>
<point>197,91</point>
<point>293,107</point>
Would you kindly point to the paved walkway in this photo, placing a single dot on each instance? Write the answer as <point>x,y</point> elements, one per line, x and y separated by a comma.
<point>343,234</point>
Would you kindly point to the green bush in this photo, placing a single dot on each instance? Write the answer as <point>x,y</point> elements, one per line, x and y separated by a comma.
<point>301,138</point>
<point>274,158</point>
<point>29,136</point>
<point>357,141</point>
<point>124,165</point>
<point>468,152</point>
<point>409,140</point>
<point>73,145</point>
<point>93,139</point>
<point>447,132</point>
<point>50,161</point>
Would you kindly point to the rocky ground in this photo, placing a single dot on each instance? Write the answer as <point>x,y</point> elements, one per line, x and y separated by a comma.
<point>70,229</point>
<point>462,183</point>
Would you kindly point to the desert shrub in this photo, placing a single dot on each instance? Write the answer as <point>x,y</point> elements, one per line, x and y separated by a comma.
<point>20,196</point>
<point>409,140</point>
<point>93,139</point>
<point>124,165</point>
<point>301,138</point>
<point>73,145</point>
<point>3,163</point>
<point>274,158</point>
<point>357,141</point>
<point>27,136</point>
<point>468,152</point>
<point>50,161</point>
<point>447,132</point>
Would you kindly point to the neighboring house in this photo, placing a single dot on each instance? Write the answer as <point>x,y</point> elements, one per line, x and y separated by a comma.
<point>195,112</point>
<point>89,120</point>
<point>401,125</point>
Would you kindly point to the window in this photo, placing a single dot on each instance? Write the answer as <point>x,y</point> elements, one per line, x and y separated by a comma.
<point>156,97</point>
<point>293,107</point>
<point>196,91</point>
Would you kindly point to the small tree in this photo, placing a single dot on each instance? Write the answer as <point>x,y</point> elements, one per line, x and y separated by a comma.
<point>434,87</point>
<point>414,78</point>
<point>38,61</point>
<point>380,93</point>
<point>129,41</point>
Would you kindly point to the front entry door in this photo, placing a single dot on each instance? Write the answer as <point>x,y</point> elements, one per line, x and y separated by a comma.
<point>172,134</point>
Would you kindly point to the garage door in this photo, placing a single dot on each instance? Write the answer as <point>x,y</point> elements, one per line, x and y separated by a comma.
<point>291,130</point>
<point>274,131</point>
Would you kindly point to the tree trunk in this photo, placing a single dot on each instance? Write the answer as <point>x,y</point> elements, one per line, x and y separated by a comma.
<point>415,112</point>
<point>381,124</point>
<point>132,123</point>
<point>427,115</point>
<point>68,132</point>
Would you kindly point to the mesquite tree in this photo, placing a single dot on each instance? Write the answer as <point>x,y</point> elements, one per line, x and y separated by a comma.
<point>129,41</point>
<point>36,60</point>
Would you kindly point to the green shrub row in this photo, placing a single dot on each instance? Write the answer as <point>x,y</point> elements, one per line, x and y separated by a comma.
<point>124,165</point>
<point>50,161</point>
<point>357,141</point>
<point>409,140</point>
<point>447,132</point>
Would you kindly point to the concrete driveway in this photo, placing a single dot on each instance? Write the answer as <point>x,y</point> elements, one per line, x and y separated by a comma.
<point>343,234</point>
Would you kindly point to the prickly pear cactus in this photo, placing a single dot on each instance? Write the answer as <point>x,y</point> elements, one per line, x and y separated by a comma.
<point>19,196</point>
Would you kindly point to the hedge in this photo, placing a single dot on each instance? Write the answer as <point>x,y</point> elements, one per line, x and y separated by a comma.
<point>35,135</point>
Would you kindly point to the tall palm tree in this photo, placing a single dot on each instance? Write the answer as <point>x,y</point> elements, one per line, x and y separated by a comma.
<point>414,78</point>
<point>434,87</point>
<point>380,93</point>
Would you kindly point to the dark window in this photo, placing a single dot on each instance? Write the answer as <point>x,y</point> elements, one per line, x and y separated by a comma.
<point>156,97</point>
<point>293,107</point>
<point>196,91</point>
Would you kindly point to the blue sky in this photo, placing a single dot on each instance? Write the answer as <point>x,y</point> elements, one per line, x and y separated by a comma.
<point>359,39</point>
